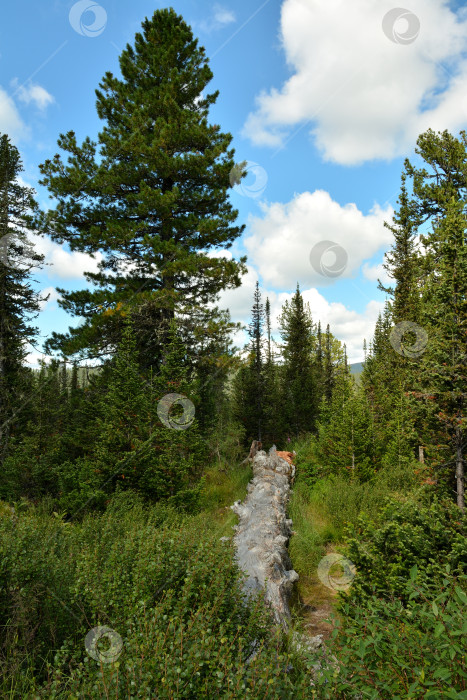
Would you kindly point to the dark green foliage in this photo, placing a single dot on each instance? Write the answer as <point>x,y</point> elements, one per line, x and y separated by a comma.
<point>152,195</point>
<point>408,533</point>
<point>173,598</point>
<point>419,651</point>
<point>299,395</point>
<point>19,303</point>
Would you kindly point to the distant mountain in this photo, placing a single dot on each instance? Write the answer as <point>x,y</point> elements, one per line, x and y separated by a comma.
<point>356,368</point>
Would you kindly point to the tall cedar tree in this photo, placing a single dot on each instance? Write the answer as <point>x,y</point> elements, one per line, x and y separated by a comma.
<point>153,200</point>
<point>388,375</point>
<point>439,198</point>
<point>299,390</point>
<point>443,371</point>
<point>19,303</point>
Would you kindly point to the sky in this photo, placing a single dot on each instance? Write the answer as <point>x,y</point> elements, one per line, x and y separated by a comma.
<point>324,100</point>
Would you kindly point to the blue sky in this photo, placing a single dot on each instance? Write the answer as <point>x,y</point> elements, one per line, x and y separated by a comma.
<point>324,100</point>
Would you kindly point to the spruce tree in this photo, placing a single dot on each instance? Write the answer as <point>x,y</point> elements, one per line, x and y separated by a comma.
<point>443,369</point>
<point>248,384</point>
<point>439,199</point>
<point>256,345</point>
<point>151,196</point>
<point>299,397</point>
<point>19,303</point>
<point>402,262</point>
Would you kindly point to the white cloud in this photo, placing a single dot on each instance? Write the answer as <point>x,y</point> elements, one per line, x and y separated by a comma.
<point>32,359</point>
<point>281,241</point>
<point>349,326</point>
<point>377,272</point>
<point>363,95</point>
<point>62,263</point>
<point>35,94</point>
<point>221,17</point>
<point>10,119</point>
<point>240,300</point>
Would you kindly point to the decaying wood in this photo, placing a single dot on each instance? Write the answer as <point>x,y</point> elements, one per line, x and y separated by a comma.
<point>256,446</point>
<point>263,533</point>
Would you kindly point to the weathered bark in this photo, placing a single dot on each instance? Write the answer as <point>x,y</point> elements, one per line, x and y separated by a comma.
<point>254,449</point>
<point>263,533</point>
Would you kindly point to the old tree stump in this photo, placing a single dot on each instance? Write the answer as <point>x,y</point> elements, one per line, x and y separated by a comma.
<point>263,533</point>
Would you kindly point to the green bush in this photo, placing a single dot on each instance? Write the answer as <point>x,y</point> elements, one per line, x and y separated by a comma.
<point>162,580</point>
<point>408,533</point>
<point>388,651</point>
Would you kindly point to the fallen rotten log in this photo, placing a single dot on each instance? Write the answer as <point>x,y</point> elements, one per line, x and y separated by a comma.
<point>263,532</point>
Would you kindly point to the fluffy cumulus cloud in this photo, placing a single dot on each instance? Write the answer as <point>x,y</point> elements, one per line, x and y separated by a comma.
<point>36,95</point>
<point>287,244</point>
<point>348,325</point>
<point>62,263</point>
<point>34,357</point>
<point>366,91</point>
<point>377,272</point>
<point>11,122</point>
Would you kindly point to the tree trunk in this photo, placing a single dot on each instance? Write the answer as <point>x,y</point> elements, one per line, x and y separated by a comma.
<point>263,532</point>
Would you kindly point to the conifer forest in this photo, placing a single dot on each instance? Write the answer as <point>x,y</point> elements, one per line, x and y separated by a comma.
<point>149,450</point>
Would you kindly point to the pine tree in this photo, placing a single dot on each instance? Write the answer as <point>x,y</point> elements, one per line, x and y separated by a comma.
<point>439,196</point>
<point>402,262</point>
<point>153,200</point>
<point>443,370</point>
<point>299,383</point>
<point>19,303</point>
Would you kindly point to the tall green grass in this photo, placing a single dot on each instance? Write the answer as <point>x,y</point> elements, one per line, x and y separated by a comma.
<point>162,580</point>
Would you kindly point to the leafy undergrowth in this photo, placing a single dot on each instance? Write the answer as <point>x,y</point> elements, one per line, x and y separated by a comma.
<point>165,585</point>
<point>400,630</point>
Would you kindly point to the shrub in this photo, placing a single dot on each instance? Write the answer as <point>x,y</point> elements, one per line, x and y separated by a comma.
<point>388,651</point>
<point>408,534</point>
<point>162,580</point>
